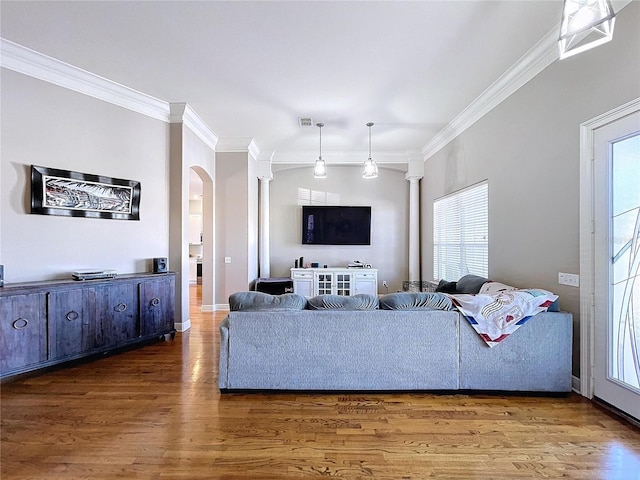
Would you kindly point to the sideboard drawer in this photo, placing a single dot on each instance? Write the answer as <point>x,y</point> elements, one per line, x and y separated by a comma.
<point>302,275</point>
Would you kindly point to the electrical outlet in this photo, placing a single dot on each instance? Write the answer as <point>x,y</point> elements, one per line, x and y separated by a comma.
<point>385,284</point>
<point>569,279</point>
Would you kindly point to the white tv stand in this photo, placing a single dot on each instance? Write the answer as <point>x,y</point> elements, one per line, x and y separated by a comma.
<point>311,282</point>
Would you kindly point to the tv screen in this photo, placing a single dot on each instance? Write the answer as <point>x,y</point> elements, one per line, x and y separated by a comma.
<point>333,225</point>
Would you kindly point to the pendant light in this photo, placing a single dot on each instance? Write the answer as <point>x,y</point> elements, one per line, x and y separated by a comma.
<point>585,24</point>
<point>320,170</point>
<point>370,167</point>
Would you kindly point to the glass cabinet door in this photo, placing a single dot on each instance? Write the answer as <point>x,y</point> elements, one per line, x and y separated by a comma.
<point>324,281</point>
<point>343,284</point>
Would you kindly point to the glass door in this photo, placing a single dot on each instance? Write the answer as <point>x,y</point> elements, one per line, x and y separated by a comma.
<point>324,283</point>
<point>617,263</point>
<point>343,284</point>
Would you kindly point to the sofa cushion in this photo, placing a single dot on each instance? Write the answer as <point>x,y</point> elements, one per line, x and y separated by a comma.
<point>256,301</point>
<point>446,287</point>
<point>415,301</point>
<point>470,284</point>
<point>360,301</point>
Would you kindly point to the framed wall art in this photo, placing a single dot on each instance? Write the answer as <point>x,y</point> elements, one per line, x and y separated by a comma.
<point>75,194</point>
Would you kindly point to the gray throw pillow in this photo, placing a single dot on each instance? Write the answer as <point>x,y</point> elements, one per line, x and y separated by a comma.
<point>470,284</point>
<point>446,287</point>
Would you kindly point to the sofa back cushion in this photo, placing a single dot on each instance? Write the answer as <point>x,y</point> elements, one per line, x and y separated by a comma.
<point>415,301</point>
<point>258,301</point>
<point>360,301</point>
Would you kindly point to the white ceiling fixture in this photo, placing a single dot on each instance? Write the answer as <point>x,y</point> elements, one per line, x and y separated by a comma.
<point>370,167</point>
<point>320,169</point>
<point>585,24</point>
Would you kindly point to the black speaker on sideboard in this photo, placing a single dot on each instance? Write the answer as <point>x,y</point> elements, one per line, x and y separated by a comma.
<point>1,275</point>
<point>160,265</point>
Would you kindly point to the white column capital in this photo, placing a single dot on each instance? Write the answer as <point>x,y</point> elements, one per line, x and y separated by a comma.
<point>415,168</point>
<point>263,170</point>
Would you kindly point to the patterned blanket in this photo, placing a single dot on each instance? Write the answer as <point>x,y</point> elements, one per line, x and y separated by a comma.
<point>495,316</point>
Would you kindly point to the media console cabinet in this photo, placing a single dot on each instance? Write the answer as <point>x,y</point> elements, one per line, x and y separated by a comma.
<point>311,282</point>
<point>51,322</point>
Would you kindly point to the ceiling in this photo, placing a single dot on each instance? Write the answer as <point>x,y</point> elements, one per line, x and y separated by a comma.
<point>251,69</point>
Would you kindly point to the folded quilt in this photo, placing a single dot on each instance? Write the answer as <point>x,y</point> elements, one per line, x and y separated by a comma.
<point>495,316</point>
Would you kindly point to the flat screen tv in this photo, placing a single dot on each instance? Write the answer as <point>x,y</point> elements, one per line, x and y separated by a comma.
<point>333,225</point>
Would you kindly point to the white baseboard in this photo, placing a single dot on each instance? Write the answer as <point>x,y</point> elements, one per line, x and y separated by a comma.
<point>184,326</point>
<point>222,306</point>
<point>207,308</point>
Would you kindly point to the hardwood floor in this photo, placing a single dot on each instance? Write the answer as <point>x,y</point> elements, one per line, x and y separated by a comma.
<point>156,413</point>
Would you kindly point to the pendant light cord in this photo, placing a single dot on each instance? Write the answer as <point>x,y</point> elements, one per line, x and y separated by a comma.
<point>370,124</point>
<point>320,125</point>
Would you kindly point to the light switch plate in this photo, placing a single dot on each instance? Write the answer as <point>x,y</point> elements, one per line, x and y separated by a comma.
<point>570,279</point>
<point>227,259</point>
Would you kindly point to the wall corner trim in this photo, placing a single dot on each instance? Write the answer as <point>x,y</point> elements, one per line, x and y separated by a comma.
<point>183,113</point>
<point>37,65</point>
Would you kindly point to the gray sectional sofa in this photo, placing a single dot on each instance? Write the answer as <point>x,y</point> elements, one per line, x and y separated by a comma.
<point>278,347</point>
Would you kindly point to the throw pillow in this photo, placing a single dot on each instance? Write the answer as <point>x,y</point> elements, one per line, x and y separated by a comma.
<point>470,284</point>
<point>446,287</point>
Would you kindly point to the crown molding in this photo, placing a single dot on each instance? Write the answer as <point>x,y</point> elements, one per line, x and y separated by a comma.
<point>238,144</point>
<point>183,113</point>
<point>539,57</point>
<point>37,65</point>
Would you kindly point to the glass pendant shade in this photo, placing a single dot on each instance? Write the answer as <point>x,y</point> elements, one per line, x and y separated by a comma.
<point>320,169</point>
<point>370,167</point>
<point>585,24</point>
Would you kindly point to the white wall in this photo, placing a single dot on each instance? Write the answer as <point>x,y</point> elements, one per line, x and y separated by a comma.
<point>50,126</point>
<point>528,149</point>
<point>388,196</point>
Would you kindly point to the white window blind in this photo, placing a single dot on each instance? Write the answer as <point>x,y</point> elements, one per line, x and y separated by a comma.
<point>461,233</point>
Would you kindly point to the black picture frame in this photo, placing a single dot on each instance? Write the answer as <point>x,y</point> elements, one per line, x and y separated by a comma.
<point>75,194</point>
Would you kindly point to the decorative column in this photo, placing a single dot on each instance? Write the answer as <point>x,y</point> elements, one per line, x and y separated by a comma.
<point>264,176</point>
<point>265,260</point>
<point>413,176</point>
<point>414,229</point>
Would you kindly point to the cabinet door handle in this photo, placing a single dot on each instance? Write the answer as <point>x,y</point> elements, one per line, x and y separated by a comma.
<point>155,302</point>
<point>20,323</point>
<point>72,315</point>
<point>121,307</point>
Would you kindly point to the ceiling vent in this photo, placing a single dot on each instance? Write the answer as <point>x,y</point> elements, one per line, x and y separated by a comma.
<point>305,122</point>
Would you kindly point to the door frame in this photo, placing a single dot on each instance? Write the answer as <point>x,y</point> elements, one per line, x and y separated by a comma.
<point>587,245</point>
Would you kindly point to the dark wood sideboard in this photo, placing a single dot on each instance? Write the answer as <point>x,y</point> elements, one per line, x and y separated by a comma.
<point>50,322</point>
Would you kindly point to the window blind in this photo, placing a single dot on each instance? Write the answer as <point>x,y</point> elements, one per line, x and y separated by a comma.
<point>461,233</point>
